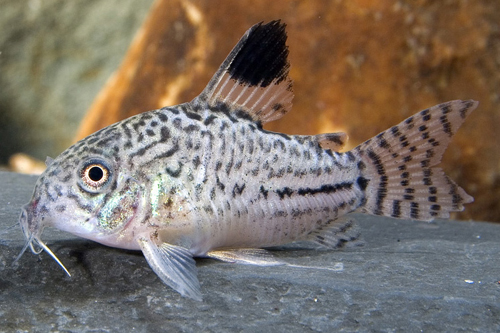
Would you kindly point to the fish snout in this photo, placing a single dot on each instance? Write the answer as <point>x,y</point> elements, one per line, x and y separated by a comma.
<point>31,227</point>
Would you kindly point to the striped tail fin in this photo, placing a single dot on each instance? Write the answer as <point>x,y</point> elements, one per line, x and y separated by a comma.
<point>399,176</point>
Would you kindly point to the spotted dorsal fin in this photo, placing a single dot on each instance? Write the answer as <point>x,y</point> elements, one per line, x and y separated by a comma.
<point>253,81</point>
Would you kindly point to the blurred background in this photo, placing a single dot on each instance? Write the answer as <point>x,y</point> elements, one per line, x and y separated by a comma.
<point>68,68</point>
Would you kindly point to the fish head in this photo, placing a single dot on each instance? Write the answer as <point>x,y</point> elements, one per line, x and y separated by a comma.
<point>86,192</point>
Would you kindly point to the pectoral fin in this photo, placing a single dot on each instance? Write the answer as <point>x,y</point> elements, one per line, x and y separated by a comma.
<point>174,265</point>
<point>257,257</point>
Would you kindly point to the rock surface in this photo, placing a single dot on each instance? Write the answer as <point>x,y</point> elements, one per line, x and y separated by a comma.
<point>409,276</point>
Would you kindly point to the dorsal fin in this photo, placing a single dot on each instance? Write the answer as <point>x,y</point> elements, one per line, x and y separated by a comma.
<point>254,77</point>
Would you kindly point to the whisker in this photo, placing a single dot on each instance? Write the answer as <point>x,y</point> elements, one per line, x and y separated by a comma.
<point>46,248</point>
<point>4,231</point>
<point>26,245</point>
<point>33,247</point>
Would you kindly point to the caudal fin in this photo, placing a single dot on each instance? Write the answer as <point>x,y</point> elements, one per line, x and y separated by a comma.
<point>399,176</point>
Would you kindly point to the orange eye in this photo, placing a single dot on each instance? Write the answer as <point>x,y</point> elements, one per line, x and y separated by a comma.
<point>95,175</point>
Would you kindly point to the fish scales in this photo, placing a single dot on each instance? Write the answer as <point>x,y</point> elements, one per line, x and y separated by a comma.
<point>204,179</point>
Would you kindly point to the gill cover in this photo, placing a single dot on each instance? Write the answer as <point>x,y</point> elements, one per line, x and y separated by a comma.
<point>119,207</point>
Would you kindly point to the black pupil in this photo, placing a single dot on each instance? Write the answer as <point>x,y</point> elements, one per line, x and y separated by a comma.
<point>96,173</point>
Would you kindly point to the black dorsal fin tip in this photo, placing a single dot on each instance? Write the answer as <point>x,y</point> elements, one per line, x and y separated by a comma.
<point>254,77</point>
<point>263,57</point>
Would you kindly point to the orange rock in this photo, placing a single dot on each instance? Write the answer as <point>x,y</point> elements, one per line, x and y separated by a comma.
<point>359,66</point>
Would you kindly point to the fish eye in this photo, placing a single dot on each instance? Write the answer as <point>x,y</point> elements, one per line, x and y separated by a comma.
<point>95,175</point>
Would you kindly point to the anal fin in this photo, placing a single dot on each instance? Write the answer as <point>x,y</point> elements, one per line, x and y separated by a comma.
<point>336,234</point>
<point>174,265</point>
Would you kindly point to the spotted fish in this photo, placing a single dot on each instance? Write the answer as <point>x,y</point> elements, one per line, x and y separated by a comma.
<point>204,179</point>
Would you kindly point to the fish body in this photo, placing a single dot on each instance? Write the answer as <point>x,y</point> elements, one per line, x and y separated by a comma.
<point>204,179</point>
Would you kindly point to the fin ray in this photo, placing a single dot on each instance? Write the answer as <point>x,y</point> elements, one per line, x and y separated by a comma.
<point>337,233</point>
<point>400,178</point>
<point>259,257</point>
<point>174,265</point>
<point>254,77</point>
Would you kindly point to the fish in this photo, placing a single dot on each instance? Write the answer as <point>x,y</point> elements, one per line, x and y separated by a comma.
<point>205,179</point>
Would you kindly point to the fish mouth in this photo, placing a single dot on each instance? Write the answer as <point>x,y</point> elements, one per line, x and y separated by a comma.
<point>32,232</point>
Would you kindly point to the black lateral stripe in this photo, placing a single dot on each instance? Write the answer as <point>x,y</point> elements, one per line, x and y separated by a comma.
<point>286,191</point>
<point>325,189</point>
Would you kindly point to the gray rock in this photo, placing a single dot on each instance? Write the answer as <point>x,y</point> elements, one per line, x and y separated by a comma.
<point>54,58</point>
<point>409,276</point>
